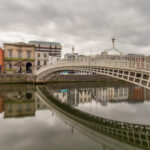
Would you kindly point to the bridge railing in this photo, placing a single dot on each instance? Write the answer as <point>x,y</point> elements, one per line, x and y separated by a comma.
<point>124,64</point>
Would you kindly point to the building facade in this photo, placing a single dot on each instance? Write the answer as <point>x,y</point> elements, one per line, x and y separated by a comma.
<point>46,53</point>
<point>19,57</point>
<point>1,60</point>
<point>53,59</point>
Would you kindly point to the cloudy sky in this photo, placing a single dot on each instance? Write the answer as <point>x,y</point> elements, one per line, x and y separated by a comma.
<point>86,24</point>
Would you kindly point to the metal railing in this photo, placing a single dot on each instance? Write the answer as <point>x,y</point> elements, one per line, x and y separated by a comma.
<point>123,64</point>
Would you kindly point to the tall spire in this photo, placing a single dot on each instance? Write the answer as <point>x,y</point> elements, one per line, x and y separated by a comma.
<point>72,49</point>
<point>113,41</point>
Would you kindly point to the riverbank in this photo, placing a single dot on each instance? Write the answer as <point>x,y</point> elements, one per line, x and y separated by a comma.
<point>17,78</point>
<point>29,78</point>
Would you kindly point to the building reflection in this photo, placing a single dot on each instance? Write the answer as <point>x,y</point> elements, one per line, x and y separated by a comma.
<point>101,95</point>
<point>74,96</point>
<point>139,94</point>
<point>19,104</point>
<point>24,103</point>
<point>111,94</point>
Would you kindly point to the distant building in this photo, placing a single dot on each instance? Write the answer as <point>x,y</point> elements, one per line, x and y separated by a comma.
<point>1,60</point>
<point>71,56</point>
<point>136,57</point>
<point>19,57</point>
<point>53,59</point>
<point>45,51</point>
<point>104,53</point>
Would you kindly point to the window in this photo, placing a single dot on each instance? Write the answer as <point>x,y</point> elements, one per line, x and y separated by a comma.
<point>10,53</point>
<point>19,108</point>
<point>45,62</point>
<point>10,65</point>
<point>45,55</point>
<point>10,108</point>
<point>38,55</point>
<point>38,62</point>
<point>19,54</point>
<point>28,54</point>
<point>28,106</point>
<point>28,95</point>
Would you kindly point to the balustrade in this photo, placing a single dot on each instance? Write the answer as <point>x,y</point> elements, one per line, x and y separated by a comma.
<point>124,64</point>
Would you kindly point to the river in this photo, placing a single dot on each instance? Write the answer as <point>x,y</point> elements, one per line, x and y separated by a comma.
<point>30,119</point>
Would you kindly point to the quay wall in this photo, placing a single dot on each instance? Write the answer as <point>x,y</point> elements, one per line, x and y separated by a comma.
<point>75,78</point>
<point>16,78</point>
<point>28,78</point>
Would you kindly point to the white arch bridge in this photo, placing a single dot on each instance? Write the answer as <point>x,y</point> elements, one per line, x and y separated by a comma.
<point>131,71</point>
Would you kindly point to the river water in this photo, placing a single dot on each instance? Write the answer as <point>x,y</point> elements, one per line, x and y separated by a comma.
<point>28,121</point>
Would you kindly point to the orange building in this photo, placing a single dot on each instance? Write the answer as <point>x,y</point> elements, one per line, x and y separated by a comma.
<point>1,60</point>
<point>1,102</point>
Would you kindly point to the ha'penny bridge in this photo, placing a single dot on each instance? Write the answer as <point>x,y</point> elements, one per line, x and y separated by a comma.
<point>120,68</point>
<point>131,133</point>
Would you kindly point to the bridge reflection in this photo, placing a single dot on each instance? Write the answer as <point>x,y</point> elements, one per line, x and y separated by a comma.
<point>135,134</point>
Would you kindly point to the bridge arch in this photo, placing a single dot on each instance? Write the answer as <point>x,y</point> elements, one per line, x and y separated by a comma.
<point>115,69</point>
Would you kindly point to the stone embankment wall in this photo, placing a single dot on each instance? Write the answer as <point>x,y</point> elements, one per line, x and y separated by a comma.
<point>65,78</point>
<point>23,78</point>
<point>16,78</point>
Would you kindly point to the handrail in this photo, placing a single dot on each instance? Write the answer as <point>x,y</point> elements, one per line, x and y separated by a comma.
<point>101,62</point>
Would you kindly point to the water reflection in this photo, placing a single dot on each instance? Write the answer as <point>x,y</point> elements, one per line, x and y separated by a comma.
<point>102,95</point>
<point>16,103</point>
<point>108,101</point>
<point>85,95</point>
<point>29,100</point>
<point>136,134</point>
<point>24,102</point>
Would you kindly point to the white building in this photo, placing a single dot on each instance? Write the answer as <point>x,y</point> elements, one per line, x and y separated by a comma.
<point>53,59</point>
<point>71,56</point>
<point>43,52</point>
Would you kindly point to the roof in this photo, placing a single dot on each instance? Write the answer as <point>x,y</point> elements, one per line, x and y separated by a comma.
<point>20,44</point>
<point>44,42</point>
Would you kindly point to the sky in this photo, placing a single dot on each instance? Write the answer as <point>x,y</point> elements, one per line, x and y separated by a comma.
<point>88,25</point>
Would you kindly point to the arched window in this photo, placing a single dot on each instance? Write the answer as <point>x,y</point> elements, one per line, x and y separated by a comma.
<point>45,62</point>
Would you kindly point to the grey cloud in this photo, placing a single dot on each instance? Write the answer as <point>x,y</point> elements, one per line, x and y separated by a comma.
<point>85,23</point>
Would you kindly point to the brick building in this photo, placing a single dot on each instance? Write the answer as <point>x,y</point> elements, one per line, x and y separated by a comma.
<point>19,57</point>
<point>1,60</point>
<point>1,102</point>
